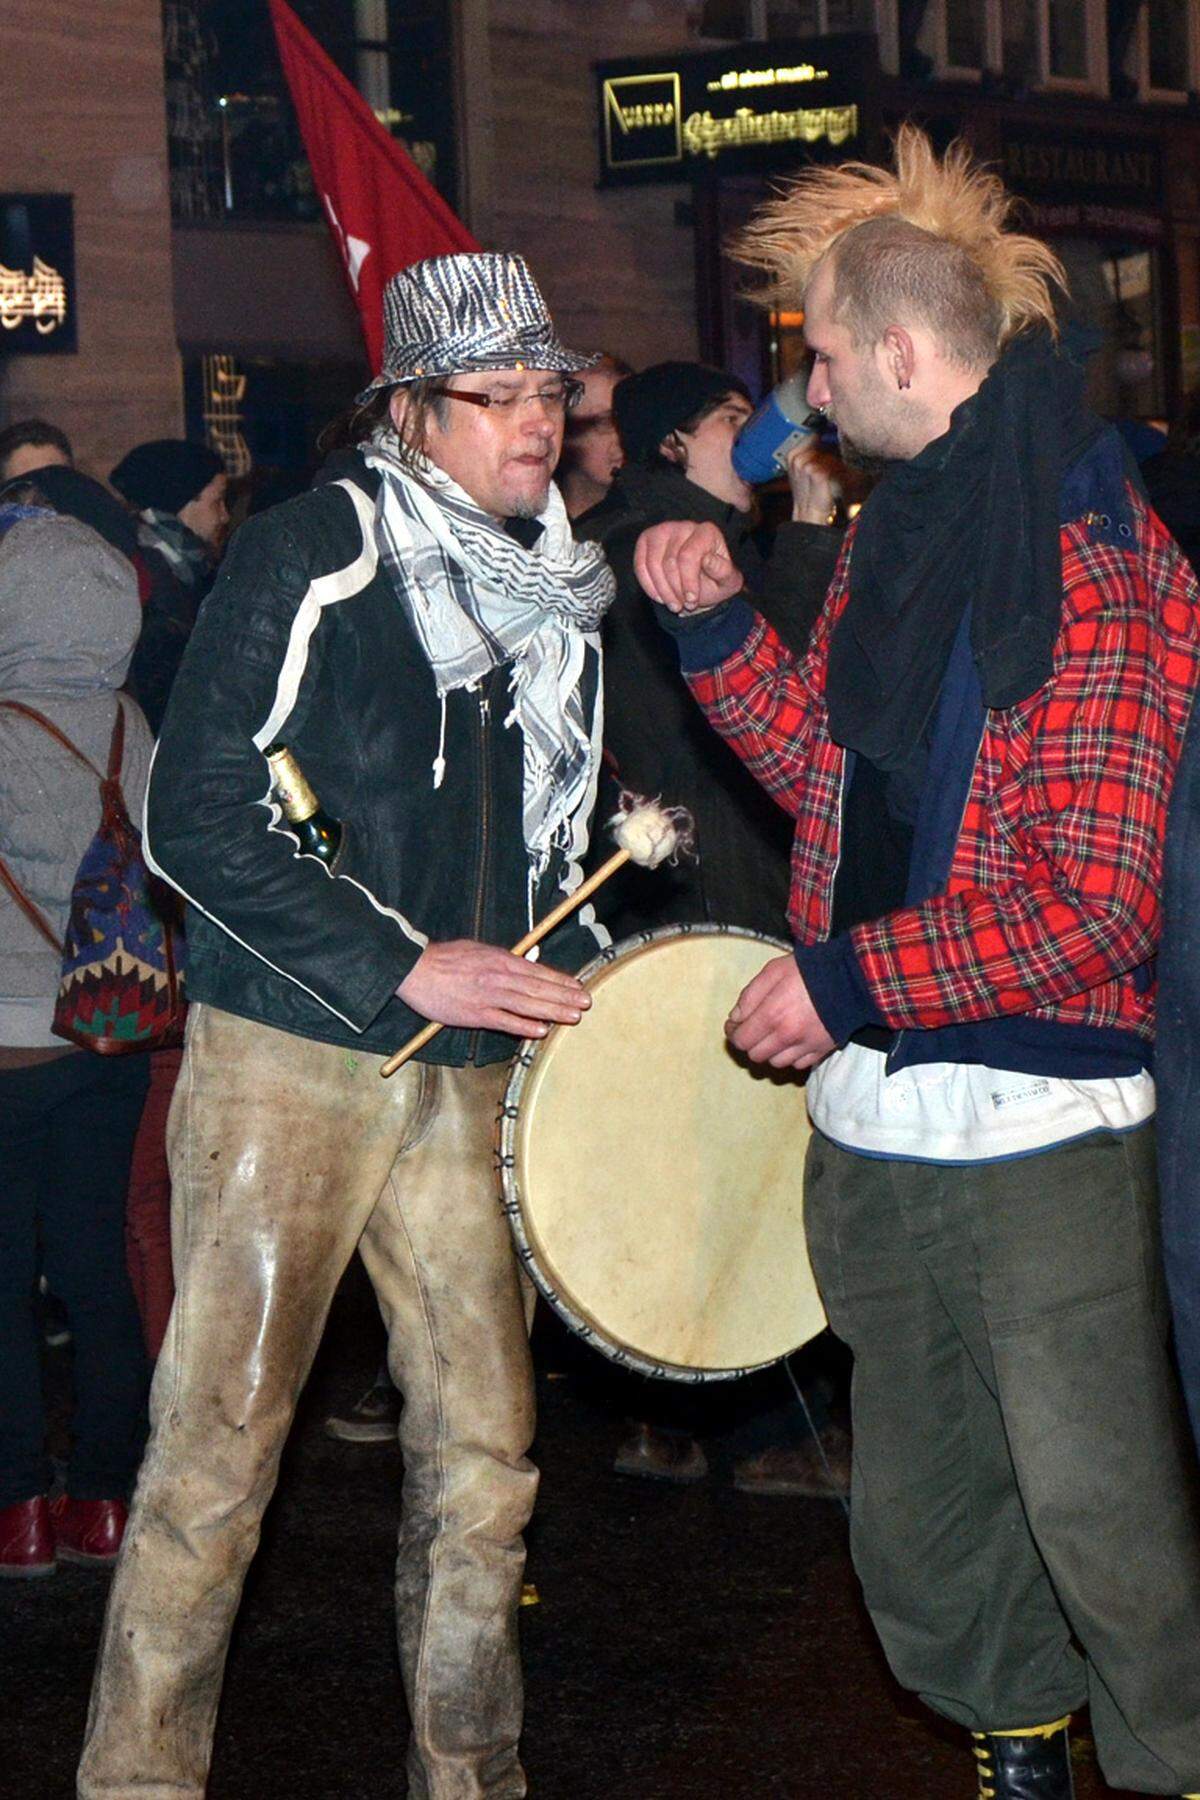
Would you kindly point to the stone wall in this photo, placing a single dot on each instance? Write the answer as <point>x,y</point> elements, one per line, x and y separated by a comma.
<point>81,96</point>
<point>618,270</point>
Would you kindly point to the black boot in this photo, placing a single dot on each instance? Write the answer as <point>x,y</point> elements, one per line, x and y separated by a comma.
<point>1024,1765</point>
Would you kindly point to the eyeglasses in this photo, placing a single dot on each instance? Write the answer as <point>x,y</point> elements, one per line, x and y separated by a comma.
<point>562,398</point>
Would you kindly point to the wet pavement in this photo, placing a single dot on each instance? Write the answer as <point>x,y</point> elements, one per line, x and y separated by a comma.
<point>686,1643</point>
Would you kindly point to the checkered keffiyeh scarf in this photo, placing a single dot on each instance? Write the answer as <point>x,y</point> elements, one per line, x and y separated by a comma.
<point>476,598</point>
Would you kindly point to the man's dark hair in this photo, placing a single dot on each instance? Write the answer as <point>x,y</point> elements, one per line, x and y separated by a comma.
<point>359,423</point>
<point>37,434</point>
<point>695,422</point>
<point>666,400</point>
<point>655,459</point>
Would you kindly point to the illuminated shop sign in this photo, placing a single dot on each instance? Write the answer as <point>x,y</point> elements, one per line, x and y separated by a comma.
<point>37,275</point>
<point>755,106</point>
<point>1110,187</point>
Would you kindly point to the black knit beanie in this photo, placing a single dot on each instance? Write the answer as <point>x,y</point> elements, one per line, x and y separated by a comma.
<point>648,406</point>
<point>166,474</point>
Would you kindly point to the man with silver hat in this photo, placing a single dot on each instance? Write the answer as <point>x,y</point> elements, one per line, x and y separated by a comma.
<point>423,636</point>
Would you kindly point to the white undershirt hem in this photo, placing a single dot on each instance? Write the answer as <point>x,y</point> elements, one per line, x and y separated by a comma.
<point>963,1112</point>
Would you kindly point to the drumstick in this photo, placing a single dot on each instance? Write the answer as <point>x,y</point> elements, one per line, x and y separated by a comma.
<point>647,833</point>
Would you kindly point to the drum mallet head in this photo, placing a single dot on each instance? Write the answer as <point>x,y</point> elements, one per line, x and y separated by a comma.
<point>650,832</point>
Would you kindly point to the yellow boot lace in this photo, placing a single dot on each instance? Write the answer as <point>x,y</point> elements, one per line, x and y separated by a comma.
<point>983,1754</point>
<point>987,1768</point>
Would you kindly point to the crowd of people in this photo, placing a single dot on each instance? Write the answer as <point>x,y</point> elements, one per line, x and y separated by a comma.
<point>929,751</point>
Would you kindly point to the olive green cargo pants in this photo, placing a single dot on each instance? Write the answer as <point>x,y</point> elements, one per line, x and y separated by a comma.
<point>1021,1484</point>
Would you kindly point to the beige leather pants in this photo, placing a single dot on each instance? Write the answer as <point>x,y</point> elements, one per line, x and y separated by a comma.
<point>285,1155</point>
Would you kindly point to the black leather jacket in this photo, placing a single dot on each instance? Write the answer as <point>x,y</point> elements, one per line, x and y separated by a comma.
<point>302,639</point>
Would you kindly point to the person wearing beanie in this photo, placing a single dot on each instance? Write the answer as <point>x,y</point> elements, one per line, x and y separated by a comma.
<point>677,423</point>
<point>73,495</point>
<point>171,483</point>
<point>178,491</point>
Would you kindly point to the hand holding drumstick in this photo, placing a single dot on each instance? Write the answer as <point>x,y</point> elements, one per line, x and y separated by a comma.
<point>464,982</point>
<point>478,985</point>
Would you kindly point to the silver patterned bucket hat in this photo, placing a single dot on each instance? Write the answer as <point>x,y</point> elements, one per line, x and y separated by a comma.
<point>448,315</point>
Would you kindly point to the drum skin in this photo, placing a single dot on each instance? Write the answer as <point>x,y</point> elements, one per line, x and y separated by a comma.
<point>653,1179</point>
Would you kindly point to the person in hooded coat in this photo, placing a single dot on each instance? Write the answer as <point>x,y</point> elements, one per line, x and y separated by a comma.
<point>168,613</point>
<point>69,618</point>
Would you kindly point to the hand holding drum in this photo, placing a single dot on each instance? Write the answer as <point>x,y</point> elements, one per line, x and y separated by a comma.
<point>646,833</point>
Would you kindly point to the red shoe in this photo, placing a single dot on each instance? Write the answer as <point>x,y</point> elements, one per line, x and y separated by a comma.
<point>88,1531</point>
<point>26,1538</point>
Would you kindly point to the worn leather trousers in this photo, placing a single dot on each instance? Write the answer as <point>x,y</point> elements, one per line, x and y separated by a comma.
<point>285,1155</point>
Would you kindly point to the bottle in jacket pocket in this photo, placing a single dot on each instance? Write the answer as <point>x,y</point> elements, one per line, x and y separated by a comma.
<point>320,834</point>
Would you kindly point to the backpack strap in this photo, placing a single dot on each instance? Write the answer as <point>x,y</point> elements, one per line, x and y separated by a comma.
<point>116,746</point>
<point>34,914</point>
<point>116,751</point>
<point>60,737</point>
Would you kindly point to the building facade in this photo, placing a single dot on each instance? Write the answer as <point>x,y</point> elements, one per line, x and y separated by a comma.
<point>82,96</point>
<point>1089,109</point>
<point>207,294</point>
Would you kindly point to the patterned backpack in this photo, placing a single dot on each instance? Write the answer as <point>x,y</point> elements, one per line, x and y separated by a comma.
<point>122,963</point>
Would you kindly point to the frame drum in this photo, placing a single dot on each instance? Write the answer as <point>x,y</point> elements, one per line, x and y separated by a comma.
<point>653,1179</point>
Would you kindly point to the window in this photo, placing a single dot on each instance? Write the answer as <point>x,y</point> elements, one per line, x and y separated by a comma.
<point>960,37</point>
<point>967,35</point>
<point>1067,40</point>
<point>798,19</point>
<point>813,18</point>
<point>1166,50</point>
<point>1116,307</point>
<point>1167,45</point>
<point>1073,45</point>
<point>234,141</point>
<point>1019,42</point>
<point>1032,43</point>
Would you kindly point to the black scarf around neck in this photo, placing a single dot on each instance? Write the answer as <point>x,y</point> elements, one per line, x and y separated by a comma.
<point>974,518</point>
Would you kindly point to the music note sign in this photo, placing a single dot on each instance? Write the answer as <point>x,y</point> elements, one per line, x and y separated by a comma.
<point>224,394</point>
<point>37,274</point>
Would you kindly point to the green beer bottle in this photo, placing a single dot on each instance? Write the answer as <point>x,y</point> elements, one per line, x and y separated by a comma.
<point>319,833</point>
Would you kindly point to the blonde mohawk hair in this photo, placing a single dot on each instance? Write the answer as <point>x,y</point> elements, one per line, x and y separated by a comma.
<point>954,199</point>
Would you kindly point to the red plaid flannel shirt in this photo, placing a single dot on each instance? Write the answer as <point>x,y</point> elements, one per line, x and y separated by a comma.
<point>1054,890</point>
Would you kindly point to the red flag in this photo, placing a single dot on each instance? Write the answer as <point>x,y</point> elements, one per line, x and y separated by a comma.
<point>381,210</point>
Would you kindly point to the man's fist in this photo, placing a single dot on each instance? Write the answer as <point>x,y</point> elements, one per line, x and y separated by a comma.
<point>686,567</point>
<point>813,478</point>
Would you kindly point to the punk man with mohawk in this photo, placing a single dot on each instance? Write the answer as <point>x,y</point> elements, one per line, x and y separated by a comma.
<point>978,749</point>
